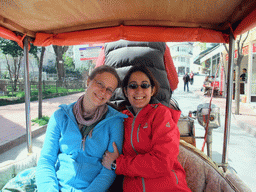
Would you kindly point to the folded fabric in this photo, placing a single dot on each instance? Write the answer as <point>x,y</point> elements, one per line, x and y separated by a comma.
<point>24,182</point>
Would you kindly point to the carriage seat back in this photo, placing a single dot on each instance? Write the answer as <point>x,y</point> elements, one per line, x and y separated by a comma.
<point>202,174</point>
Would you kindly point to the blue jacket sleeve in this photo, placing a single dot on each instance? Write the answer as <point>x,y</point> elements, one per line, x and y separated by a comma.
<point>106,177</point>
<point>45,175</point>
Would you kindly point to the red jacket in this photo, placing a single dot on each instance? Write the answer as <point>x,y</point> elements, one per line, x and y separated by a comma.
<point>151,146</point>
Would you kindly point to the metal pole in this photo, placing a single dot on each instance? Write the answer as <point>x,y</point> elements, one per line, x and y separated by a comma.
<point>27,97</point>
<point>211,66</point>
<point>228,101</point>
<point>209,142</point>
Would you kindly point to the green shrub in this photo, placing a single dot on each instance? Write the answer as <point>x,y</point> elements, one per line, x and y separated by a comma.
<point>20,94</point>
<point>43,121</point>
<point>48,92</point>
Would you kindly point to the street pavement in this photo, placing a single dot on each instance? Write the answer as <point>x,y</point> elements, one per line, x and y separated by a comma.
<point>13,119</point>
<point>242,142</point>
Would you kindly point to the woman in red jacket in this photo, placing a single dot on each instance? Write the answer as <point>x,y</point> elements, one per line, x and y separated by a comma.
<point>151,142</point>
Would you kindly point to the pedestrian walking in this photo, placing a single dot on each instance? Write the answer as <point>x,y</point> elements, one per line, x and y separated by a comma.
<point>243,76</point>
<point>186,80</point>
<point>191,76</point>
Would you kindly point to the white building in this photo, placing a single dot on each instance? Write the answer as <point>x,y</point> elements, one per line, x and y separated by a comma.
<point>182,53</point>
<point>209,59</point>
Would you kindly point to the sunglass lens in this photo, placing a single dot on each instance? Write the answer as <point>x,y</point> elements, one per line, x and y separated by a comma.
<point>145,86</point>
<point>133,86</point>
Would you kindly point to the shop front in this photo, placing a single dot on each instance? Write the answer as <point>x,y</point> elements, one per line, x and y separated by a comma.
<point>253,73</point>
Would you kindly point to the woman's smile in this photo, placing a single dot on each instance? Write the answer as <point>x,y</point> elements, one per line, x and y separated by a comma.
<point>139,98</point>
<point>98,96</point>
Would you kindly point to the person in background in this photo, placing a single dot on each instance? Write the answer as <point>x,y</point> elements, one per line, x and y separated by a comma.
<point>151,142</point>
<point>243,76</point>
<point>77,136</point>
<point>191,77</point>
<point>207,85</point>
<point>186,80</point>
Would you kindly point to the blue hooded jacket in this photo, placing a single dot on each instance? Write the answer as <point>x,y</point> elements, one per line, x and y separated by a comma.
<point>68,163</point>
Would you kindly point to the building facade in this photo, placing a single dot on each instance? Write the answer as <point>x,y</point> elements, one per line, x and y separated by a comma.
<point>182,53</point>
<point>249,63</point>
<point>216,59</point>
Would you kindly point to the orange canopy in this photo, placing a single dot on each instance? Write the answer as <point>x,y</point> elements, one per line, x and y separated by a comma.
<point>132,33</point>
<point>78,22</point>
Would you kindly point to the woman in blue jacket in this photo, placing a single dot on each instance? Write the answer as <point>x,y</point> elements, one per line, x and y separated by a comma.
<point>77,136</point>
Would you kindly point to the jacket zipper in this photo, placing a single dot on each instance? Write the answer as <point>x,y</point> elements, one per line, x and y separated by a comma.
<point>83,144</point>
<point>142,179</point>
<point>143,184</point>
<point>131,135</point>
<point>175,176</point>
<point>138,134</point>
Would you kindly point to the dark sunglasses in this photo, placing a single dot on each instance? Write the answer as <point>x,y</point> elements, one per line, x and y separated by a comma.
<point>135,86</point>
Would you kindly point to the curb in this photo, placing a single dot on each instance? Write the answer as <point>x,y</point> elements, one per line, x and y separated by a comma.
<point>21,139</point>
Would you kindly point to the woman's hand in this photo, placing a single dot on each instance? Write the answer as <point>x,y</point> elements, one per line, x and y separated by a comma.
<point>108,157</point>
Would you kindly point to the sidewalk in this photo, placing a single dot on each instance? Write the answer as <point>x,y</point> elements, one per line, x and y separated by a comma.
<point>246,119</point>
<point>13,120</point>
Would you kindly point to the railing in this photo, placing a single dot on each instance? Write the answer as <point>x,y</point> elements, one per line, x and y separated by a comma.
<point>6,86</point>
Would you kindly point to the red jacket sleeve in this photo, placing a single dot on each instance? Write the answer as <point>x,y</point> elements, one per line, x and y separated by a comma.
<point>170,69</point>
<point>164,150</point>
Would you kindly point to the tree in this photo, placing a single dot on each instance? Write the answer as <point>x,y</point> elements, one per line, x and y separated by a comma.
<point>34,51</point>
<point>40,90</point>
<point>68,62</point>
<point>239,44</point>
<point>50,67</point>
<point>16,52</point>
<point>59,51</point>
<point>11,48</point>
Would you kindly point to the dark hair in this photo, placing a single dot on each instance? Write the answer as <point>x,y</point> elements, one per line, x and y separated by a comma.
<point>147,72</point>
<point>102,69</point>
<point>245,69</point>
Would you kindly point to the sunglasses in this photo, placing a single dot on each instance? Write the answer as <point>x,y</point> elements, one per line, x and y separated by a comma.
<point>135,86</point>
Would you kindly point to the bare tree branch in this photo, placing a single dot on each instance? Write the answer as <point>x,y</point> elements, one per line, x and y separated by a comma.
<point>19,65</point>
<point>8,67</point>
<point>247,35</point>
<point>240,45</point>
<point>225,45</point>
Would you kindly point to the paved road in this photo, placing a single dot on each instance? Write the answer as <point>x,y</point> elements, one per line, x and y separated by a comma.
<point>242,145</point>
